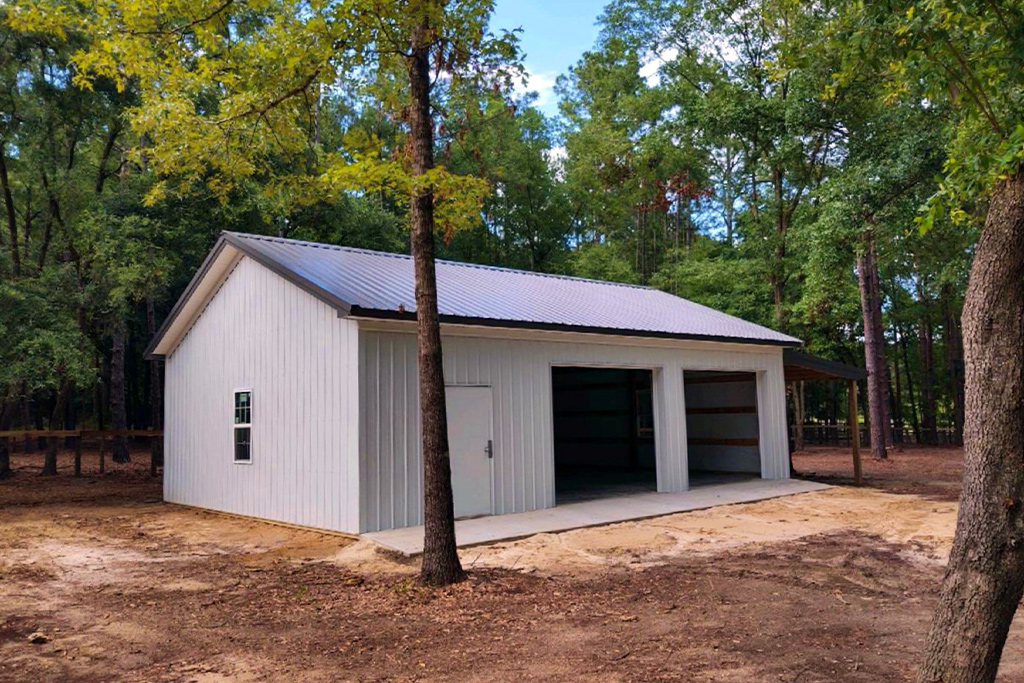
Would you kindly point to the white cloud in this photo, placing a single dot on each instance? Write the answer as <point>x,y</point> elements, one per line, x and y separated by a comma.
<point>652,63</point>
<point>543,84</point>
<point>556,154</point>
<point>556,157</point>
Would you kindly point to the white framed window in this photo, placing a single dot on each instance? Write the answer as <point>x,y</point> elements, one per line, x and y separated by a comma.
<point>242,427</point>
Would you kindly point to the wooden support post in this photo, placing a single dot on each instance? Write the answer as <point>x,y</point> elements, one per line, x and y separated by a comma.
<point>78,456</point>
<point>103,455</point>
<point>854,433</point>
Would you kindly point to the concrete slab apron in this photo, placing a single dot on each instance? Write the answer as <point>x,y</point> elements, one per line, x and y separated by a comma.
<point>469,532</point>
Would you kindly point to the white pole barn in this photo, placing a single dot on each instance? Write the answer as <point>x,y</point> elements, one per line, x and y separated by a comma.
<point>291,388</point>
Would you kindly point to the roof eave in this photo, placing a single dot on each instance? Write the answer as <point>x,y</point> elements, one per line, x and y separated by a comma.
<point>379,314</point>
<point>204,269</point>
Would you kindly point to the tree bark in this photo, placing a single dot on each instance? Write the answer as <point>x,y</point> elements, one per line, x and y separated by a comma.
<point>12,220</point>
<point>796,389</point>
<point>874,345</point>
<point>56,423</point>
<point>985,576</point>
<point>440,565</point>
<point>118,411</point>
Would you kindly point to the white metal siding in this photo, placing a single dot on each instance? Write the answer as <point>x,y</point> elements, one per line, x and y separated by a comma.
<point>519,370</point>
<point>299,358</point>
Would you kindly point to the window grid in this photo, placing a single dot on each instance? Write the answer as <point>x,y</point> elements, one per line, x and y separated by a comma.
<point>243,427</point>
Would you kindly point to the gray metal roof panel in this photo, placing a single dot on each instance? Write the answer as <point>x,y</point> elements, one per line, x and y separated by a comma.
<point>376,282</point>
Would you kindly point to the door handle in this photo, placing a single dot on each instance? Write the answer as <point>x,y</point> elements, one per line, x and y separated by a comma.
<point>489,450</point>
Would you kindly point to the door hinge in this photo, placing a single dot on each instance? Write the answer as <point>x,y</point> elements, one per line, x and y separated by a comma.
<point>490,449</point>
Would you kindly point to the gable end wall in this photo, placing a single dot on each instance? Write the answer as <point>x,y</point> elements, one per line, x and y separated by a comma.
<point>260,331</point>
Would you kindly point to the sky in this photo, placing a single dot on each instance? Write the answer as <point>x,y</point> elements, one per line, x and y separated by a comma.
<point>555,35</point>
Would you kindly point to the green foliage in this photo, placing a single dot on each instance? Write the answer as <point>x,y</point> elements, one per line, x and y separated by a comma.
<point>42,344</point>
<point>737,153</point>
<point>960,55</point>
<point>602,261</point>
<point>719,276</point>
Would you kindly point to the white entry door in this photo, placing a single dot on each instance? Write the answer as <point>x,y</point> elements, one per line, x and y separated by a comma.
<point>469,440</point>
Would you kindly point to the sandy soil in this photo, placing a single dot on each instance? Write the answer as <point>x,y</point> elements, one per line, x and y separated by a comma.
<point>829,586</point>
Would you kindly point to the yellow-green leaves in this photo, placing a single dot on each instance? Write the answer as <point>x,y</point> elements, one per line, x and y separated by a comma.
<point>237,92</point>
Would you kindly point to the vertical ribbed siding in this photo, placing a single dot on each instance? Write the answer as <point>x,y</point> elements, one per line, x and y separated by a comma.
<point>300,360</point>
<point>519,371</point>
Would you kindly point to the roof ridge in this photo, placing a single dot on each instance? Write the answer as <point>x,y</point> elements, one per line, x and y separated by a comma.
<point>462,264</point>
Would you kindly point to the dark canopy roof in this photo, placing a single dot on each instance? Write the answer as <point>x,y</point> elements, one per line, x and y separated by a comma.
<point>371,284</point>
<point>804,366</point>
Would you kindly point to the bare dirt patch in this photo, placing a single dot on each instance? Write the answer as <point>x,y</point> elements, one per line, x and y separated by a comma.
<point>830,586</point>
<point>931,471</point>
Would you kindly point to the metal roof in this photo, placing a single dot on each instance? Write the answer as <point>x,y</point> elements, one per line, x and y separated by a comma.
<point>804,366</point>
<point>364,283</point>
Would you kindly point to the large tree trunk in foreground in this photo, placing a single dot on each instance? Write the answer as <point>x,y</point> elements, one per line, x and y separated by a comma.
<point>118,410</point>
<point>985,576</point>
<point>441,564</point>
<point>874,346</point>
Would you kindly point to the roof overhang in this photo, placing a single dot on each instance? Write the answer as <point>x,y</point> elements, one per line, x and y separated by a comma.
<point>801,366</point>
<point>211,274</point>
<point>375,314</point>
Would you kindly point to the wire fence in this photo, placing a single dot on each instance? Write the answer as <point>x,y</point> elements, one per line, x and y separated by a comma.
<point>817,434</point>
<point>78,436</point>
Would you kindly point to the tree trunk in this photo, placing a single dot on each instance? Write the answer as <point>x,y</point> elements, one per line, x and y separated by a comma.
<point>118,411</point>
<point>56,422</point>
<point>7,409</point>
<point>896,402</point>
<point>12,220</point>
<point>955,363</point>
<point>798,415</point>
<point>26,416</point>
<point>156,393</point>
<point>925,343</point>
<point>910,387</point>
<point>874,346</point>
<point>985,575</point>
<point>440,564</point>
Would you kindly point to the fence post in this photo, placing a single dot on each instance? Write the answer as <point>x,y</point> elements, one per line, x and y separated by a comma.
<point>78,455</point>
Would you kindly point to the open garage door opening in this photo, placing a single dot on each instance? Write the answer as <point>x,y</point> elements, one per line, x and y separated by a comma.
<point>604,433</point>
<point>722,427</point>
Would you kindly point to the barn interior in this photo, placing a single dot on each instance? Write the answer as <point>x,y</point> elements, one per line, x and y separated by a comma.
<point>604,433</point>
<point>721,426</point>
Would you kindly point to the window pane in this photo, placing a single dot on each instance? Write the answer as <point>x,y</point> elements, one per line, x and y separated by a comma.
<point>243,407</point>
<point>243,445</point>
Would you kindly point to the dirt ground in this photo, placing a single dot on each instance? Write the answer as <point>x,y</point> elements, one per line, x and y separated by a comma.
<point>934,472</point>
<point>835,585</point>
